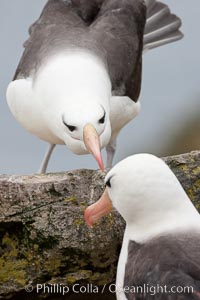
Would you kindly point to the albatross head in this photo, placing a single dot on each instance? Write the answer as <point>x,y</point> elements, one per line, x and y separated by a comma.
<point>85,129</point>
<point>146,193</point>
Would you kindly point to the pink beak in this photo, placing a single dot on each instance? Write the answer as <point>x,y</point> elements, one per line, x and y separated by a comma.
<point>92,144</point>
<point>99,209</point>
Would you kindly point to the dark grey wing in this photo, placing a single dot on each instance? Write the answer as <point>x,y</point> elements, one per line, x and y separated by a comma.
<point>118,31</point>
<point>46,34</point>
<point>88,9</point>
<point>54,31</point>
<point>167,268</point>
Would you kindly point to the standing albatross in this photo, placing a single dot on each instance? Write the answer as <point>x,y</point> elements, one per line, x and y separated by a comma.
<point>160,255</point>
<point>79,78</point>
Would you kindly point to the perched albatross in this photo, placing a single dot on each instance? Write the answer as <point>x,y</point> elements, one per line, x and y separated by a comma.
<point>79,78</point>
<point>160,255</point>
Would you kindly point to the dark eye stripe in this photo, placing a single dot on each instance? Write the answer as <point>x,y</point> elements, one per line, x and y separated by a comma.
<point>108,183</point>
<point>102,120</point>
<point>70,127</point>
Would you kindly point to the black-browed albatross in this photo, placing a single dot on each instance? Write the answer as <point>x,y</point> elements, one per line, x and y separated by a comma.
<point>79,78</point>
<point>160,255</point>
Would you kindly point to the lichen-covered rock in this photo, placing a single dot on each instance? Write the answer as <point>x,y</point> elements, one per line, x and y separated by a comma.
<point>187,169</point>
<point>43,236</point>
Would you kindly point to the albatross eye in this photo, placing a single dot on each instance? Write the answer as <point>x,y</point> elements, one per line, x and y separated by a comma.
<point>102,120</point>
<point>70,127</point>
<point>108,184</point>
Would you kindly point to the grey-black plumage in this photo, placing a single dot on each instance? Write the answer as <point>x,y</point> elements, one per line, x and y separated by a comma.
<point>170,270</point>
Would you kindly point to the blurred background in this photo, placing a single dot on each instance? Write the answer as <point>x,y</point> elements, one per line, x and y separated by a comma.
<point>169,122</point>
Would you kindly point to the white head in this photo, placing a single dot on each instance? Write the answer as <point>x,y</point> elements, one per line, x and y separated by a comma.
<point>145,192</point>
<point>86,128</point>
<point>76,90</point>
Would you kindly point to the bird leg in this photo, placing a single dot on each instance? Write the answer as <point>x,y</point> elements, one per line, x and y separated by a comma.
<point>43,167</point>
<point>110,150</point>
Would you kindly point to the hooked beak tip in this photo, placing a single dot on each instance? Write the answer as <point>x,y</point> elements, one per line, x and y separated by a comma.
<point>101,165</point>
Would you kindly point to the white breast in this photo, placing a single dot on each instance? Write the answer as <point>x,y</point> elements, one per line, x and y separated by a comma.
<point>28,110</point>
<point>36,104</point>
<point>121,268</point>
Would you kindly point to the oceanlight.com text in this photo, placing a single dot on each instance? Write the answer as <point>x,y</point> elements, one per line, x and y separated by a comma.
<point>112,288</point>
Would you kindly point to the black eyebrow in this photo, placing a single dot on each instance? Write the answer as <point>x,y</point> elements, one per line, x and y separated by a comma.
<point>102,120</point>
<point>108,183</point>
<point>103,110</point>
<point>69,126</point>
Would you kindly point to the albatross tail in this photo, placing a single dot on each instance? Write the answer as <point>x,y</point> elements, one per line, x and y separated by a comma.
<point>162,27</point>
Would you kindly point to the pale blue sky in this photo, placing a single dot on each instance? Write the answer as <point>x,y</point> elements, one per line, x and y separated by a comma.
<point>170,92</point>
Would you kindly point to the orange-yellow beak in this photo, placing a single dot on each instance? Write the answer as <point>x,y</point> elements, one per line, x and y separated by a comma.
<point>92,143</point>
<point>99,209</point>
